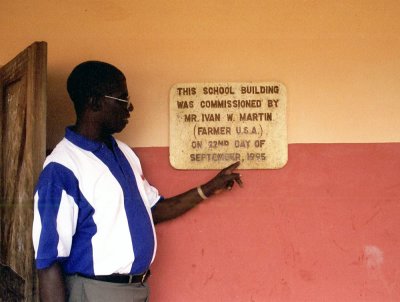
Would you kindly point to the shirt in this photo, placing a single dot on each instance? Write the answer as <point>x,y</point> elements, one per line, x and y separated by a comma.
<point>92,210</point>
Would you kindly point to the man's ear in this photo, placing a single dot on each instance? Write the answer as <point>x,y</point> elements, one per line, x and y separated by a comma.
<point>94,103</point>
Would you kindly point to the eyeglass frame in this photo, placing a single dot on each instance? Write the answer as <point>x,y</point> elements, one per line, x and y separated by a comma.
<point>128,102</point>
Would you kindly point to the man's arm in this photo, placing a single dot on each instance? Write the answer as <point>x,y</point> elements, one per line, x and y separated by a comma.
<point>51,284</point>
<point>175,206</point>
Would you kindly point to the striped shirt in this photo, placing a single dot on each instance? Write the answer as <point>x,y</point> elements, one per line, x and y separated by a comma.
<point>92,211</point>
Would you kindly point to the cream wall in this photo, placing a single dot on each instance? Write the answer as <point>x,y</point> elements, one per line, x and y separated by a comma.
<point>338,59</point>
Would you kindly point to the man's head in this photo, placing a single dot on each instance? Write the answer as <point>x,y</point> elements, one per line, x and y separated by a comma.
<point>90,81</point>
<point>100,95</point>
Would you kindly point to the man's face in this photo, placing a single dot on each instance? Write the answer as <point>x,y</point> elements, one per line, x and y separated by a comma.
<point>116,112</point>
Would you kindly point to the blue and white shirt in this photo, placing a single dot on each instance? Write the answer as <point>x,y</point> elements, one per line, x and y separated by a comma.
<point>92,209</point>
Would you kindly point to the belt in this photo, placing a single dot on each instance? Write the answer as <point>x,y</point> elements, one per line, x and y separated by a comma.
<point>119,278</point>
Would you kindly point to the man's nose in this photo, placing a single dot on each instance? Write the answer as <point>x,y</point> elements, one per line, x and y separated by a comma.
<point>130,107</point>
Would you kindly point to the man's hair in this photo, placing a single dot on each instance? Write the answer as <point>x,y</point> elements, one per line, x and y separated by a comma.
<point>92,80</point>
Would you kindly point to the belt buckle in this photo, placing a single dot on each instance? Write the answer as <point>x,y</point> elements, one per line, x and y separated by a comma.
<point>144,277</point>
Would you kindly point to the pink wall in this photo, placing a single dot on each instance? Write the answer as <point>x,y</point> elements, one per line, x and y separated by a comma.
<point>323,228</point>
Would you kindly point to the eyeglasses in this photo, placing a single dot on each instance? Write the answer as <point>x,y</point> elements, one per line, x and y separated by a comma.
<point>127,101</point>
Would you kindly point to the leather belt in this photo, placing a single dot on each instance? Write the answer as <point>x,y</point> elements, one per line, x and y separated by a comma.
<point>119,278</point>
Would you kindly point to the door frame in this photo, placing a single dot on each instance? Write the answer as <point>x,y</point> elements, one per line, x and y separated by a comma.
<point>31,66</point>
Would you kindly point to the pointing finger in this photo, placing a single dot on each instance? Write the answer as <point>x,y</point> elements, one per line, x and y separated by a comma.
<point>229,169</point>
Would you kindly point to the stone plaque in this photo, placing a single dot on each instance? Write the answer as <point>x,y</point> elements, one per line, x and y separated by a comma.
<point>215,124</point>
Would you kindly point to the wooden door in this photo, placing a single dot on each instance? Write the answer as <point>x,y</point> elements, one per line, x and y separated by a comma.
<point>22,152</point>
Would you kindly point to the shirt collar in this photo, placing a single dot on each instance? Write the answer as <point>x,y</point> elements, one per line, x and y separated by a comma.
<point>83,142</point>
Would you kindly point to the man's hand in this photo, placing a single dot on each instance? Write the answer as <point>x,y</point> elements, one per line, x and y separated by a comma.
<point>224,180</point>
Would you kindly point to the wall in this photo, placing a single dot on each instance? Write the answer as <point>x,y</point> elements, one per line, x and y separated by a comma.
<point>324,227</point>
<point>338,59</point>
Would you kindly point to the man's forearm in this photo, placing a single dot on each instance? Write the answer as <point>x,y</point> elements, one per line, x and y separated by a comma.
<point>51,284</point>
<point>173,207</point>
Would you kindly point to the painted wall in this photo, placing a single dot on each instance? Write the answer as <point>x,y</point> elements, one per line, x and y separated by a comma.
<point>323,228</point>
<point>338,59</point>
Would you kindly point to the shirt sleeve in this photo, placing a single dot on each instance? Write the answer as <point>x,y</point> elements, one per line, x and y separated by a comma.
<point>151,192</point>
<point>55,218</point>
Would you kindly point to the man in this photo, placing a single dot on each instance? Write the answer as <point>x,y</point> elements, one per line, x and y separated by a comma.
<point>94,217</point>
